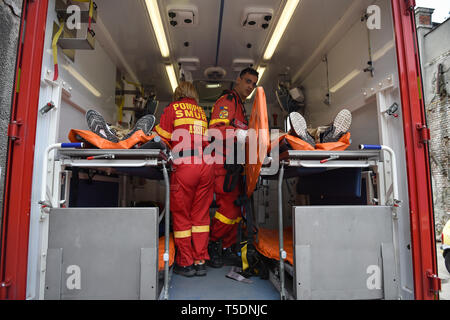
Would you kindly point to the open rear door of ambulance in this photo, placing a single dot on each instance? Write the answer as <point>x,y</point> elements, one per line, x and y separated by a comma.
<point>21,133</point>
<point>426,283</point>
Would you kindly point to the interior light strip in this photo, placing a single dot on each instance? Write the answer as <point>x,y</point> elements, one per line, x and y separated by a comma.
<point>155,18</point>
<point>172,77</point>
<point>345,80</point>
<point>285,17</point>
<point>82,80</point>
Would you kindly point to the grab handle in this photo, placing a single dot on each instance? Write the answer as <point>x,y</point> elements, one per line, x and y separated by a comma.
<point>370,147</point>
<point>72,145</point>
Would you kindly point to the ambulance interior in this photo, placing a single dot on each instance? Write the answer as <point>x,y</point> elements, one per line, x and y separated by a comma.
<point>332,59</point>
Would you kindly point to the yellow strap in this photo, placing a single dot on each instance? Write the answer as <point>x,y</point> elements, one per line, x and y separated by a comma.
<point>55,41</point>
<point>182,234</point>
<point>122,103</point>
<point>226,220</point>
<point>163,133</point>
<point>225,121</point>
<point>137,85</point>
<point>193,121</point>
<point>200,229</point>
<point>244,257</point>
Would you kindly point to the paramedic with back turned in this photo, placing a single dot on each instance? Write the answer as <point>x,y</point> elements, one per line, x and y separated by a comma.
<point>229,115</point>
<point>184,125</point>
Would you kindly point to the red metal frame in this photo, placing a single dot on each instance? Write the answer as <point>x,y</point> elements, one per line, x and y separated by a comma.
<point>16,217</point>
<point>19,173</point>
<point>417,156</point>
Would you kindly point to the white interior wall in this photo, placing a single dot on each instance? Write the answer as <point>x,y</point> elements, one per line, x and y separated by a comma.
<point>98,69</point>
<point>349,54</point>
<point>364,125</point>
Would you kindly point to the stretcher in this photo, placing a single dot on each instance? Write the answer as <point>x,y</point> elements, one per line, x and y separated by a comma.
<point>149,163</point>
<point>280,244</point>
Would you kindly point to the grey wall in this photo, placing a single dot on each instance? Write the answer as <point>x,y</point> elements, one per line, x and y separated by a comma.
<point>10,13</point>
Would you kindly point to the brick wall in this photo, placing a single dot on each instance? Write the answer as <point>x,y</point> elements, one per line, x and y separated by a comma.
<point>10,13</point>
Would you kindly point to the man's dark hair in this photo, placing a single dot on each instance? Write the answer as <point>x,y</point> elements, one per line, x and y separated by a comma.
<point>250,71</point>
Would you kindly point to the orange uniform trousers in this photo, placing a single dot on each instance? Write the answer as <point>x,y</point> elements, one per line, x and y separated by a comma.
<point>191,194</point>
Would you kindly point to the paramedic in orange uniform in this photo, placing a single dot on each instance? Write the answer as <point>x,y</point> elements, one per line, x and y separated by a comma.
<point>228,114</point>
<point>184,125</point>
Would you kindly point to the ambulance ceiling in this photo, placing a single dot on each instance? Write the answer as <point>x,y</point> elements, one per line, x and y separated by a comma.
<point>217,39</point>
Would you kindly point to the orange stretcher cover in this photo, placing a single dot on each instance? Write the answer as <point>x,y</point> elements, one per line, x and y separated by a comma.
<point>139,137</point>
<point>268,244</point>
<point>260,123</point>
<point>299,144</point>
<point>161,251</point>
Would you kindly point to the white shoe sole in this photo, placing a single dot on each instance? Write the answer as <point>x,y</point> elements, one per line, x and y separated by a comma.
<point>298,123</point>
<point>98,125</point>
<point>342,122</point>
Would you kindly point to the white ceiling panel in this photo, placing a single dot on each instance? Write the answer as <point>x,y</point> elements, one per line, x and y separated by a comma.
<point>129,37</point>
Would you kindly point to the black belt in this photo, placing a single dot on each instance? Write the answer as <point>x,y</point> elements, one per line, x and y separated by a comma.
<point>186,153</point>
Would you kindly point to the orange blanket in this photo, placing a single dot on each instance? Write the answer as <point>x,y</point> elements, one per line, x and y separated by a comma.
<point>161,252</point>
<point>268,244</point>
<point>298,144</point>
<point>138,138</point>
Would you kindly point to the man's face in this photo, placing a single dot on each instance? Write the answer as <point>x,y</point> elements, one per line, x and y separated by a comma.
<point>245,85</point>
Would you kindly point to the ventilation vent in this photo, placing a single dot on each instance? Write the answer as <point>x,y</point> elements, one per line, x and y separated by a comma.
<point>215,73</point>
<point>182,16</point>
<point>257,18</point>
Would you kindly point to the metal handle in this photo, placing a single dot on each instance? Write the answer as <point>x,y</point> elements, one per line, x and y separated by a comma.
<point>72,145</point>
<point>370,147</point>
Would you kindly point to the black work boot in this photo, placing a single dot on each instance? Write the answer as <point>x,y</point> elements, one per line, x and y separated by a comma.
<point>214,251</point>
<point>188,271</point>
<point>200,269</point>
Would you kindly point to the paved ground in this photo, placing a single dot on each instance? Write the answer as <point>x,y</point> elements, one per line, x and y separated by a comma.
<point>443,274</point>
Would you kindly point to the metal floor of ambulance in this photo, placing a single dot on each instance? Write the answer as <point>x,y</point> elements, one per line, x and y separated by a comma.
<point>216,286</point>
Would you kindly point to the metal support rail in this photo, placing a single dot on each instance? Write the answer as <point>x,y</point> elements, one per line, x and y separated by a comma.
<point>166,232</point>
<point>280,231</point>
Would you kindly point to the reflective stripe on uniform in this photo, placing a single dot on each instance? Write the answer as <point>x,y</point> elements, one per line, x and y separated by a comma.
<point>163,133</point>
<point>200,229</point>
<point>225,121</point>
<point>182,234</point>
<point>180,122</point>
<point>226,220</point>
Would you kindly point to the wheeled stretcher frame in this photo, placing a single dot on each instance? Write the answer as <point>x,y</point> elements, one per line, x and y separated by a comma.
<point>68,156</point>
<point>368,156</point>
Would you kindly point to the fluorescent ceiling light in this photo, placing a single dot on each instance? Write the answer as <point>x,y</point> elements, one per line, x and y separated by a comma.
<point>260,71</point>
<point>213,85</point>
<point>172,77</point>
<point>285,17</point>
<point>345,80</point>
<point>82,80</point>
<point>155,18</point>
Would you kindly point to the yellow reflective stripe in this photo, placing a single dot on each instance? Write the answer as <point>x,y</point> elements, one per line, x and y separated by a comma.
<point>182,234</point>
<point>200,229</point>
<point>226,220</point>
<point>225,121</point>
<point>180,122</point>
<point>244,257</point>
<point>163,133</point>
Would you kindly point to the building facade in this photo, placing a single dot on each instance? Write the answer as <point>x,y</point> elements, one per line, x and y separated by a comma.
<point>434,50</point>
